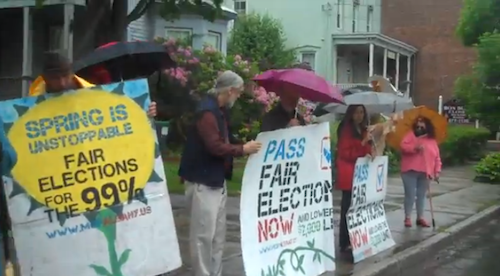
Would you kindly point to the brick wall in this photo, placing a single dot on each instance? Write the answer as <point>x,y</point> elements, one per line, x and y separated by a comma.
<point>429,25</point>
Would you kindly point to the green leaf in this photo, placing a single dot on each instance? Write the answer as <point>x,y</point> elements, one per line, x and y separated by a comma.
<point>124,257</point>
<point>281,264</point>
<point>282,273</point>
<point>301,260</point>
<point>302,270</point>
<point>269,271</point>
<point>262,272</point>
<point>317,256</point>
<point>101,270</point>
<point>310,244</point>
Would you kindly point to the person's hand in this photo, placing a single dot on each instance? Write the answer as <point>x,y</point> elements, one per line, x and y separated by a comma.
<point>152,109</point>
<point>251,147</point>
<point>436,177</point>
<point>369,156</point>
<point>367,139</point>
<point>294,122</point>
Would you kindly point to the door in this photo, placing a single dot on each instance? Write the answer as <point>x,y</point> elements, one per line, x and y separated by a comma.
<point>344,70</point>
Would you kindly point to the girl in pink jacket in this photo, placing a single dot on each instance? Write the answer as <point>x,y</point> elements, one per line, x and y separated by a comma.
<point>420,162</point>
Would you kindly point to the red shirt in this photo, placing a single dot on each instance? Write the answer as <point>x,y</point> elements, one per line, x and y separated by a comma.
<point>210,133</point>
<point>349,148</point>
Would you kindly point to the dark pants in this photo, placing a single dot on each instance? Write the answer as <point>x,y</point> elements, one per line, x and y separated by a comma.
<point>344,240</point>
<point>4,221</point>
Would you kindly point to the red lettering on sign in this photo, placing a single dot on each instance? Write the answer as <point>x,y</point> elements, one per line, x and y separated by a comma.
<point>272,228</point>
<point>359,238</point>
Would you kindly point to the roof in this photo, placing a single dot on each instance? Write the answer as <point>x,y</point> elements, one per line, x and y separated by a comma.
<point>380,39</point>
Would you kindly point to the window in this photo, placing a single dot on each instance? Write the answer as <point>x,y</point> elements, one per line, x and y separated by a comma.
<point>309,58</point>
<point>240,7</point>
<point>369,19</point>
<point>355,11</point>
<point>179,33</point>
<point>214,39</point>
<point>340,13</point>
<point>56,40</point>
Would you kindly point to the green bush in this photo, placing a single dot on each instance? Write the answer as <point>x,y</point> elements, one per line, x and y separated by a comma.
<point>488,169</point>
<point>464,143</point>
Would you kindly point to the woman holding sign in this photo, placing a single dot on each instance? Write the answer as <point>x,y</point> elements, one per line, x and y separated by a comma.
<point>353,142</point>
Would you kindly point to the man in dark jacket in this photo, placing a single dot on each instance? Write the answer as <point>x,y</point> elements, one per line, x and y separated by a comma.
<point>284,114</point>
<point>205,163</point>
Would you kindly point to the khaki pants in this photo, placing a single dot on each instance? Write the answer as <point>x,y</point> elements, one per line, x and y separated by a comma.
<point>207,233</point>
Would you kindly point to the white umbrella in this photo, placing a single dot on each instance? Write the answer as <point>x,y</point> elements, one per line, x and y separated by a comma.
<point>375,102</point>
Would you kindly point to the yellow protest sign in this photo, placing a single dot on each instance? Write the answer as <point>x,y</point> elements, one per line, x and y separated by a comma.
<point>84,151</point>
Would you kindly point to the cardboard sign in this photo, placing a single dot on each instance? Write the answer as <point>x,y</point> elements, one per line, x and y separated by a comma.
<point>286,204</point>
<point>368,228</point>
<point>87,195</point>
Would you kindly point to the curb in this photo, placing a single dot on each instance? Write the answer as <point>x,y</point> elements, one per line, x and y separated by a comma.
<point>418,254</point>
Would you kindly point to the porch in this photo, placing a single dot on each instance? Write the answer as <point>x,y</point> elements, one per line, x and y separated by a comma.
<point>26,32</point>
<point>359,56</point>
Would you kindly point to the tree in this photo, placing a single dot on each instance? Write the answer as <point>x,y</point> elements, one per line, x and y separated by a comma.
<point>261,39</point>
<point>478,17</point>
<point>109,18</point>
<point>479,91</point>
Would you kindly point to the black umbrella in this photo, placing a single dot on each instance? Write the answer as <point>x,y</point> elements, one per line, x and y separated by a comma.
<point>124,60</point>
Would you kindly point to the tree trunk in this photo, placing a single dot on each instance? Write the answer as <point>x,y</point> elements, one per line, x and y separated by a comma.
<point>119,21</point>
<point>97,12</point>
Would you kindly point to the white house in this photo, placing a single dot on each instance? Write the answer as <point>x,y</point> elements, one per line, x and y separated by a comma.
<point>340,39</point>
<point>26,32</point>
<point>202,32</point>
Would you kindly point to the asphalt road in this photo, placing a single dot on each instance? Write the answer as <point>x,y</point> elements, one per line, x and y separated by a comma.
<point>478,254</point>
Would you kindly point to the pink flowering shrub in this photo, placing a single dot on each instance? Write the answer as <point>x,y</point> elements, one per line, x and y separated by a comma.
<point>195,75</point>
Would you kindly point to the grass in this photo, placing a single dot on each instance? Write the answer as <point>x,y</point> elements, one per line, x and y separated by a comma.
<point>176,187</point>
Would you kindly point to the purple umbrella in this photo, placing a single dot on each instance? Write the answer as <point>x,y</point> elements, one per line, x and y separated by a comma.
<point>309,85</point>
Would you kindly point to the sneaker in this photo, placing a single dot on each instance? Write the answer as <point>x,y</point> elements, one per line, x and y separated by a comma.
<point>422,223</point>
<point>407,222</point>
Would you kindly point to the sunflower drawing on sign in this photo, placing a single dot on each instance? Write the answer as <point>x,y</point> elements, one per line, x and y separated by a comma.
<point>32,124</point>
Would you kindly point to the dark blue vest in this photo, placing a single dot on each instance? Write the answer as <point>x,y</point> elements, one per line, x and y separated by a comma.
<point>197,163</point>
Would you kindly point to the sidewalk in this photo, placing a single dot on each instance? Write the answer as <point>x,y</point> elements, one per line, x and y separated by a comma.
<point>455,199</point>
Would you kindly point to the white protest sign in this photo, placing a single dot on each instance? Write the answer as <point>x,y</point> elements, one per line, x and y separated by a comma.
<point>88,193</point>
<point>286,204</point>
<point>366,221</point>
